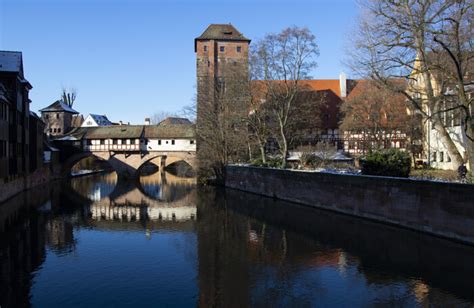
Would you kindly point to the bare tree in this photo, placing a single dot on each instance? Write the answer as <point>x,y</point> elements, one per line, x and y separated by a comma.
<point>378,114</point>
<point>429,43</point>
<point>281,61</point>
<point>68,96</point>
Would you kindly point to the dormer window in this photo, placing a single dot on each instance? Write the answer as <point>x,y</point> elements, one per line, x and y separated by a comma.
<point>228,32</point>
<point>222,48</point>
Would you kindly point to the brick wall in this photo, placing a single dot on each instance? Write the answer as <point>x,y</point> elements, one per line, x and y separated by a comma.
<point>441,209</point>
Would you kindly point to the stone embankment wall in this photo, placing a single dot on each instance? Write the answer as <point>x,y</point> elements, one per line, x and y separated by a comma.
<point>40,176</point>
<point>442,209</point>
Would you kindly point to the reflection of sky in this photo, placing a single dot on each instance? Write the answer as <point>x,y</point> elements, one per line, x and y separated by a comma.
<point>100,190</point>
<point>152,190</point>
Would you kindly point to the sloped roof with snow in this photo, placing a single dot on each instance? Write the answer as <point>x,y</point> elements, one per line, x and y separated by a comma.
<point>59,106</point>
<point>222,32</point>
<point>100,120</point>
<point>11,61</point>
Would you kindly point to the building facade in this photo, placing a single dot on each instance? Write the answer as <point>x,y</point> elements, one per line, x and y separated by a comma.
<point>14,118</point>
<point>94,120</point>
<point>222,71</point>
<point>58,118</point>
<point>435,151</point>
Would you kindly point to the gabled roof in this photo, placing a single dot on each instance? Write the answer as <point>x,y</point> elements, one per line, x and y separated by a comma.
<point>59,106</point>
<point>100,120</point>
<point>224,32</point>
<point>175,120</point>
<point>177,131</point>
<point>107,132</point>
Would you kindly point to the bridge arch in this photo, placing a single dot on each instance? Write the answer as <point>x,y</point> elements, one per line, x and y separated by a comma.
<point>167,159</point>
<point>67,165</point>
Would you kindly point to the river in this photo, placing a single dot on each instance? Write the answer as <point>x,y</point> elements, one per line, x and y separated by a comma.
<point>161,241</point>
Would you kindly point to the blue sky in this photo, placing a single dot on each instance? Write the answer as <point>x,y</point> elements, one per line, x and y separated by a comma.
<point>131,58</point>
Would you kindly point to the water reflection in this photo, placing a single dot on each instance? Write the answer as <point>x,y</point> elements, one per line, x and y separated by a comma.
<point>182,246</point>
<point>155,197</point>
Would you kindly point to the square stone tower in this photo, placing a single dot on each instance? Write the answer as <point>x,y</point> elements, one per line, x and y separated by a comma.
<point>222,66</point>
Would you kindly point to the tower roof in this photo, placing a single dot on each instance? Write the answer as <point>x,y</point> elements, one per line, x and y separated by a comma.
<point>59,106</point>
<point>224,32</point>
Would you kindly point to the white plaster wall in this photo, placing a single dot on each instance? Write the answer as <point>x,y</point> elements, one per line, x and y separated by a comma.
<point>184,145</point>
<point>436,146</point>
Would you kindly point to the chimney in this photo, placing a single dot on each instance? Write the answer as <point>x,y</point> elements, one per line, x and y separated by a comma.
<point>343,84</point>
<point>147,121</point>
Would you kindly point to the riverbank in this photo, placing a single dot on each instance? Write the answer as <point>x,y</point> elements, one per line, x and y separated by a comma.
<point>441,209</point>
<point>12,188</point>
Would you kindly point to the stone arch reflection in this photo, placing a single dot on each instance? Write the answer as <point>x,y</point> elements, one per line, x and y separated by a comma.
<point>129,203</point>
<point>95,187</point>
<point>166,186</point>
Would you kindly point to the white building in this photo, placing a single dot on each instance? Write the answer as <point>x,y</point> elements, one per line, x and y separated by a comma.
<point>94,120</point>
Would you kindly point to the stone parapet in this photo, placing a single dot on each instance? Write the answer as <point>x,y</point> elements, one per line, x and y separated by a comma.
<point>441,209</point>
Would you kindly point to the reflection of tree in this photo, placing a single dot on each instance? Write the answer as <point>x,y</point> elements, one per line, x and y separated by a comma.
<point>59,235</point>
<point>255,251</point>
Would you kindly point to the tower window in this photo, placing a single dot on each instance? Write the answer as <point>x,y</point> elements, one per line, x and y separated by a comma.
<point>239,48</point>
<point>205,48</point>
<point>222,48</point>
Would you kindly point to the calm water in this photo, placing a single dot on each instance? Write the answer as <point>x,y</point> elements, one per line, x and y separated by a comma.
<point>93,242</point>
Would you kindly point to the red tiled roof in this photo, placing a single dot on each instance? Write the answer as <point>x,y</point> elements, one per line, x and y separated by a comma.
<point>323,84</point>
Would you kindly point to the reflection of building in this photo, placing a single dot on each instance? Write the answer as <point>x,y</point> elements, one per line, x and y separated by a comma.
<point>60,235</point>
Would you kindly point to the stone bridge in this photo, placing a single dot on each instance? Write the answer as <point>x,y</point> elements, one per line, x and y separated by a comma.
<point>128,147</point>
<point>127,165</point>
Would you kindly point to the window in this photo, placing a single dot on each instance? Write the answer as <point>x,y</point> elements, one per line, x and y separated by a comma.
<point>222,48</point>
<point>205,48</point>
<point>57,115</point>
<point>102,141</point>
<point>434,156</point>
<point>59,130</point>
<point>191,141</point>
<point>172,142</point>
<point>166,141</point>
<point>441,156</point>
<point>50,130</point>
<point>239,48</point>
<point>47,116</point>
<point>124,141</point>
<point>448,158</point>
<point>114,141</point>
<point>159,142</point>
